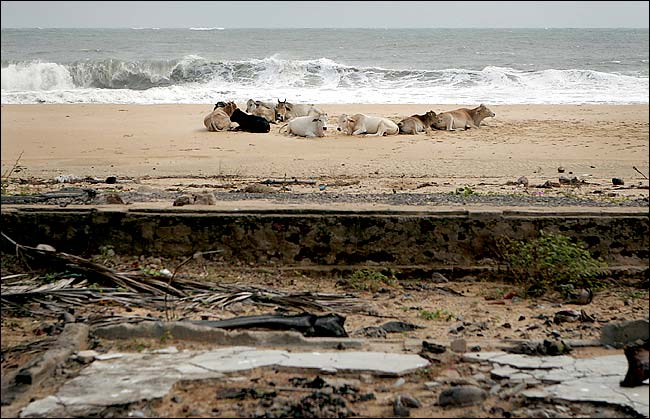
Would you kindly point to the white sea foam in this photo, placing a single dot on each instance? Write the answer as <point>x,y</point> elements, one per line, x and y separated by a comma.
<point>207,29</point>
<point>35,77</point>
<point>193,79</point>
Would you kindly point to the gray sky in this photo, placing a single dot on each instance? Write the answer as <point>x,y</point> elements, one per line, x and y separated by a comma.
<point>325,14</point>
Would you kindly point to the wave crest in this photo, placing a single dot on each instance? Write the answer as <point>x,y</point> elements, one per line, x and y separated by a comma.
<point>320,80</point>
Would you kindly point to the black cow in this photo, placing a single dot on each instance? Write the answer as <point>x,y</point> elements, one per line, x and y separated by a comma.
<point>249,123</point>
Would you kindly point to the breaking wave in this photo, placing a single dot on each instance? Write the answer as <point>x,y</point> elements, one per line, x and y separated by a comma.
<point>193,79</point>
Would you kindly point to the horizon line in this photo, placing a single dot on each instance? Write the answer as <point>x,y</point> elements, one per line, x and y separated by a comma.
<point>290,28</point>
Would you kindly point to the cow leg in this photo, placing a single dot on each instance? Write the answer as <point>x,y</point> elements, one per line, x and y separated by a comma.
<point>450,124</point>
<point>381,130</point>
<point>361,130</point>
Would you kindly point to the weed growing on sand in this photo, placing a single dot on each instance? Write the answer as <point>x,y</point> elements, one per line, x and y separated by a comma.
<point>464,191</point>
<point>369,280</point>
<point>137,345</point>
<point>551,260</point>
<point>146,270</point>
<point>166,336</point>
<point>437,314</point>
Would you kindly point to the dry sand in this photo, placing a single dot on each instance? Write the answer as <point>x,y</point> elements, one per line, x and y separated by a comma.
<point>156,142</point>
<point>167,145</point>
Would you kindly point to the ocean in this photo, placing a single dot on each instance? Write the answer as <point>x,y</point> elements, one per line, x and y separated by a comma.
<point>438,66</point>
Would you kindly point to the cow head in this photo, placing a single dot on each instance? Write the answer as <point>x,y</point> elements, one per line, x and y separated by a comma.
<point>438,122</point>
<point>321,124</point>
<point>345,124</point>
<point>250,106</point>
<point>281,110</point>
<point>429,118</point>
<point>219,104</point>
<point>229,108</point>
<point>484,112</point>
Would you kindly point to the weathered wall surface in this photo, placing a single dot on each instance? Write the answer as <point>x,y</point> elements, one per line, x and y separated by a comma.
<point>303,238</point>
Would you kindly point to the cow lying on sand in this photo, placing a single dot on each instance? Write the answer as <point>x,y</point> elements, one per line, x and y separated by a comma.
<point>307,126</point>
<point>286,111</point>
<point>246,122</point>
<point>364,124</point>
<point>219,118</point>
<point>264,109</point>
<point>416,124</point>
<point>462,118</point>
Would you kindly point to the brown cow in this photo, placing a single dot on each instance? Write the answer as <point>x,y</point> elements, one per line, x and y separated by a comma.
<point>218,119</point>
<point>462,118</point>
<point>416,124</point>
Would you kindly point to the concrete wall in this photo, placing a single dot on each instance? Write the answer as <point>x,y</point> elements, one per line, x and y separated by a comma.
<point>303,238</point>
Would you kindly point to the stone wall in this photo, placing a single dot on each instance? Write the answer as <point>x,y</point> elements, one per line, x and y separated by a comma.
<point>304,238</point>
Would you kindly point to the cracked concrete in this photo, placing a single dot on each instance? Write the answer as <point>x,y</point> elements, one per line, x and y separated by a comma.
<point>128,377</point>
<point>588,380</point>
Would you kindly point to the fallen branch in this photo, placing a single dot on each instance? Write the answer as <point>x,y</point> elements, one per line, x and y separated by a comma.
<point>13,168</point>
<point>293,181</point>
<point>634,167</point>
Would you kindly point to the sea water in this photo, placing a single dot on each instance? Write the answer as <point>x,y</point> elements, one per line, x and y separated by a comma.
<point>441,66</point>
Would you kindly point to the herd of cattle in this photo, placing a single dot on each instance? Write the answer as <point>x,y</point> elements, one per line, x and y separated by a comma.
<point>309,121</point>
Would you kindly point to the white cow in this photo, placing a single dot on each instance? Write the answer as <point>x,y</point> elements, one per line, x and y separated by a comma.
<point>307,126</point>
<point>286,111</point>
<point>363,124</point>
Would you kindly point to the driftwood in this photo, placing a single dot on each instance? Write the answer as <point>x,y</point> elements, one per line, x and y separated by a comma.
<point>292,181</point>
<point>640,172</point>
<point>329,325</point>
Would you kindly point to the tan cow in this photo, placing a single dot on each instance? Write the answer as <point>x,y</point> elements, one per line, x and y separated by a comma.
<point>416,124</point>
<point>462,118</point>
<point>286,111</point>
<point>263,109</point>
<point>219,118</point>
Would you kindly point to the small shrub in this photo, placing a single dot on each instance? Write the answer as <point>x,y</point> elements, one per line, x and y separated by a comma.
<point>437,314</point>
<point>369,280</point>
<point>551,260</point>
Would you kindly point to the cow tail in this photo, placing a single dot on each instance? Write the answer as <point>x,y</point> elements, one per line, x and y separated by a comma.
<point>280,129</point>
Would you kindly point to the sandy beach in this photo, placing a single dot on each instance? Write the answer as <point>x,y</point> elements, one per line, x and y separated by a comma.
<point>163,145</point>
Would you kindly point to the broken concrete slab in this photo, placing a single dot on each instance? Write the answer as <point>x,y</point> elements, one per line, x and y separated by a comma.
<point>597,389</point>
<point>73,337</point>
<point>133,377</point>
<point>527,362</point>
<point>591,380</point>
<point>201,333</point>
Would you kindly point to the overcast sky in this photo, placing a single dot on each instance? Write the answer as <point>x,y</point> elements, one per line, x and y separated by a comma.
<point>325,14</point>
